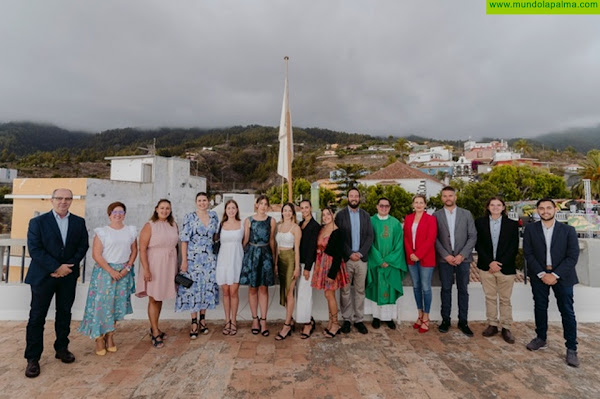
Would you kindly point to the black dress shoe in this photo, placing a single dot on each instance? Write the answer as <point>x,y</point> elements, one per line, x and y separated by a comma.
<point>445,326</point>
<point>65,356</point>
<point>507,335</point>
<point>464,327</point>
<point>360,326</point>
<point>391,324</point>
<point>490,331</point>
<point>346,327</point>
<point>33,369</point>
<point>376,323</point>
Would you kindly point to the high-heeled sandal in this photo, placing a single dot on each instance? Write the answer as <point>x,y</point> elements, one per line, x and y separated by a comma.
<point>418,323</point>
<point>226,329</point>
<point>203,326</point>
<point>312,324</point>
<point>233,329</point>
<point>280,337</point>
<point>193,330</point>
<point>102,351</point>
<point>334,322</point>
<point>161,334</point>
<point>157,341</point>
<point>265,332</point>
<point>255,331</point>
<point>424,323</point>
<point>107,336</point>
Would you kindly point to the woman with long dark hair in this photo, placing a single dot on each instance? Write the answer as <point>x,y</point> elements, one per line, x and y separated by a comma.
<point>229,263</point>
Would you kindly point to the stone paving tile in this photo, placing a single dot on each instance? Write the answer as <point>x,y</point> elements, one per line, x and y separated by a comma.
<point>381,364</point>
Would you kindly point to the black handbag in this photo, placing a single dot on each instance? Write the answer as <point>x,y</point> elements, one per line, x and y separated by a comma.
<point>217,241</point>
<point>183,280</point>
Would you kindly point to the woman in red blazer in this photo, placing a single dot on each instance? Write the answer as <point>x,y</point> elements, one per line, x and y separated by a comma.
<point>420,231</point>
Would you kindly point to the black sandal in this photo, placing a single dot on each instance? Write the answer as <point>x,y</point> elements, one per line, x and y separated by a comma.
<point>194,331</point>
<point>203,326</point>
<point>161,334</point>
<point>157,341</point>
<point>233,329</point>
<point>265,332</point>
<point>328,333</point>
<point>312,329</point>
<point>280,337</point>
<point>255,331</point>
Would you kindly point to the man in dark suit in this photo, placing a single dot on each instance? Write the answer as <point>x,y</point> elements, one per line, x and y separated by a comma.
<point>497,247</point>
<point>454,245</point>
<point>552,250</point>
<point>355,225</point>
<point>57,242</point>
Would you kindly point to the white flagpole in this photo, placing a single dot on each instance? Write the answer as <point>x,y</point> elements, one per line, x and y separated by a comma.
<point>288,133</point>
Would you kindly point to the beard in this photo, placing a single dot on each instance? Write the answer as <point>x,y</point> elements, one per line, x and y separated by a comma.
<point>353,205</point>
<point>546,218</point>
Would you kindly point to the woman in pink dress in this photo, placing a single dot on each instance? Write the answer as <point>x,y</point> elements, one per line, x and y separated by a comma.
<point>158,259</point>
<point>330,271</point>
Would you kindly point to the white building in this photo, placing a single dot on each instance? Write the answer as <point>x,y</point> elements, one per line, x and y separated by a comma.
<point>505,156</point>
<point>7,175</point>
<point>433,154</point>
<point>470,145</point>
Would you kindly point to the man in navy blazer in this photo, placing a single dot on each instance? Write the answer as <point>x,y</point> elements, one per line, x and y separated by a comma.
<point>355,225</point>
<point>552,250</point>
<point>57,242</point>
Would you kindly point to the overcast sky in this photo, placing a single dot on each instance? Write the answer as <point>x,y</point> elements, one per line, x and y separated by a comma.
<point>436,68</point>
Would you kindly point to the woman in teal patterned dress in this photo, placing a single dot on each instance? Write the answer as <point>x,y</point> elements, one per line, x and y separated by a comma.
<point>258,266</point>
<point>199,263</point>
<point>112,284</point>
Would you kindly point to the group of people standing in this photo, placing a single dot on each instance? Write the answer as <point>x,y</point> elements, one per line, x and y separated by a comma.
<point>349,249</point>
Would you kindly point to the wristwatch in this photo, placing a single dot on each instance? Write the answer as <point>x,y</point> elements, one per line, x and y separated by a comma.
<point>128,268</point>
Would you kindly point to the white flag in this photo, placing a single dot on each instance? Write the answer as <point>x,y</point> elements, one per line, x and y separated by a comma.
<point>286,122</point>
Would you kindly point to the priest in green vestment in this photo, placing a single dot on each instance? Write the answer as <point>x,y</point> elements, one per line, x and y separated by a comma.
<point>386,266</point>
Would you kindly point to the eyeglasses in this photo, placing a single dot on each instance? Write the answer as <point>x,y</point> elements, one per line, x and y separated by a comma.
<point>117,213</point>
<point>383,206</point>
<point>63,198</point>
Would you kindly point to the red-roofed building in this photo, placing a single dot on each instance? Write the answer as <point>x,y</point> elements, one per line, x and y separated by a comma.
<point>411,179</point>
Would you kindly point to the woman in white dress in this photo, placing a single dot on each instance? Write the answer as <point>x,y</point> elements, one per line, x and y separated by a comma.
<point>229,264</point>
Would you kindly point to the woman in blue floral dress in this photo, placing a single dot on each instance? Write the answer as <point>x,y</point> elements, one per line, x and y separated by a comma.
<point>112,284</point>
<point>258,266</point>
<point>199,263</point>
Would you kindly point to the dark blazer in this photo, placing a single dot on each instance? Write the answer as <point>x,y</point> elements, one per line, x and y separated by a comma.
<point>465,235</point>
<point>508,244</point>
<point>308,243</point>
<point>46,248</point>
<point>342,221</point>
<point>564,251</point>
<point>424,242</point>
<point>335,249</point>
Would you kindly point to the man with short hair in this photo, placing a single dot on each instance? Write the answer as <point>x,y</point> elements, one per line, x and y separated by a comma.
<point>386,266</point>
<point>57,241</point>
<point>552,250</point>
<point>355,225</point>
<point>454,245</point>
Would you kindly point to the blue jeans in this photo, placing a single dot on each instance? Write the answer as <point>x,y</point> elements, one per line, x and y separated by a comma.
<point>564,300</point>
<point>421,277</point>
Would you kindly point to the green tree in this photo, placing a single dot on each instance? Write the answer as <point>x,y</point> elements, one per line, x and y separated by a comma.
<point>400,199</point>
<point>516,183</point>
<point>326,197</point>
<point>522,146</point>
<point>301,190</point>
<point>474,196</point>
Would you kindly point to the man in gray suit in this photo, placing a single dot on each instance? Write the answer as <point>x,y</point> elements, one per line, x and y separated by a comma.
<point>355,225</point>
<point>454,245</point>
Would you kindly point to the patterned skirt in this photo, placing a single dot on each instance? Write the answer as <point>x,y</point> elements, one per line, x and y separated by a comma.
<point>107,301</point>
<point>322,266</point>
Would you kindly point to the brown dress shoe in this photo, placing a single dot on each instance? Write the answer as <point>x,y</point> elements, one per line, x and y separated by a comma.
<point>490,331</point>
<point>507,335</point>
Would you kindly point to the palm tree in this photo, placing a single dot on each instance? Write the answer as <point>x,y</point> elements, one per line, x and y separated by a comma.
<point>522,146</point>
<point>591,170</point>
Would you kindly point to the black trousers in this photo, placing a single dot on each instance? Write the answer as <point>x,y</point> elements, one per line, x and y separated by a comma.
<point>462,283</point>
<point>63,289</point>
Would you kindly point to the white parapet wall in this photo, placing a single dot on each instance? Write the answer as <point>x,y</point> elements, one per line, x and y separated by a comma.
<point>15,299</point>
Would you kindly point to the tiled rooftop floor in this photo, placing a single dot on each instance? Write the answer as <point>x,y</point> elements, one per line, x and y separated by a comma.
<point>384,363</point>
